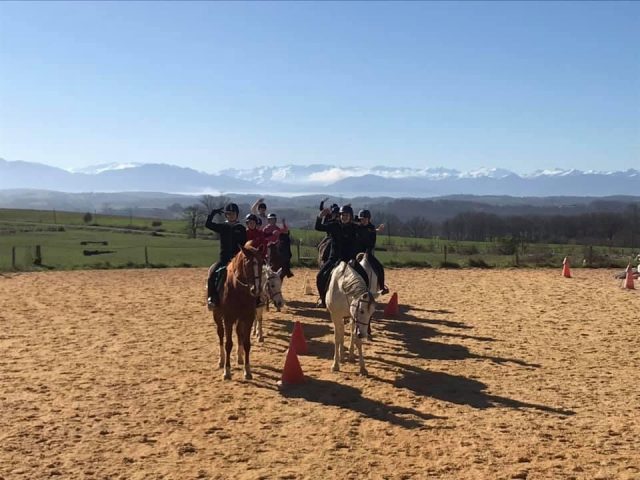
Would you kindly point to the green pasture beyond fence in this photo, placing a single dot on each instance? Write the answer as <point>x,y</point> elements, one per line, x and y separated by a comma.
<point>74,249</point>
<point>31,239</point>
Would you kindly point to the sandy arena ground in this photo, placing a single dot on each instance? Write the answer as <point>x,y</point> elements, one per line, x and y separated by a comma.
<point>485,375</point>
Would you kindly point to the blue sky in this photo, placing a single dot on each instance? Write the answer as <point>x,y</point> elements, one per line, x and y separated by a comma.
<point>211,85</point>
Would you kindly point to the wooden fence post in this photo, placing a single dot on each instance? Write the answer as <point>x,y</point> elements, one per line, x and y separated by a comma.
<point>298,248</point>
<point>13,258</point>
<point>445,254</point>
<point>146,256</point>
<point>38,259</point>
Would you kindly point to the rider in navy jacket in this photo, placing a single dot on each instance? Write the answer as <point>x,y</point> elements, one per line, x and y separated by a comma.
<point>346,239</point>
<point>233,235</point>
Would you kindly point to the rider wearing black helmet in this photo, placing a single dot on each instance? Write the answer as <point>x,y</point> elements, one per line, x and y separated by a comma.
<point>345,234</point>
<point>232,236</point>
<point>367,244</point>
<point>326,244</point>
<point>259,208</point>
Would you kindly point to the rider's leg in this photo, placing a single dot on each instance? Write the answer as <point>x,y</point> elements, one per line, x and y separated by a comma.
<point>212,289</point>
<point>322,280</point>
<point>377,266</point>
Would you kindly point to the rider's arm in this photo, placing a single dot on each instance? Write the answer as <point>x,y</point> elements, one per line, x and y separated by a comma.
<point>254,207</point>
<point>211,225</point>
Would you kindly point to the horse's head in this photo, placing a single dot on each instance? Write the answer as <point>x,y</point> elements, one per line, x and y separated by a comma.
<point>273,285</point>
<point>362,309</point>
<point>250,268</point>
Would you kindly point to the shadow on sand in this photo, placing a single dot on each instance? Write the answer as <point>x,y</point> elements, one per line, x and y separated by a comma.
<point>457,389</point>
<point>335,394</point>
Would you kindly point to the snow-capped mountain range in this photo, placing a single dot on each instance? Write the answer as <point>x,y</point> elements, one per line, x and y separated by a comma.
<point>319,178</point>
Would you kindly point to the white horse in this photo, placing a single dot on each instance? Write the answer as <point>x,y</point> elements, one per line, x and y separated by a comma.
<point>271,292</point>
<point>349,298</point>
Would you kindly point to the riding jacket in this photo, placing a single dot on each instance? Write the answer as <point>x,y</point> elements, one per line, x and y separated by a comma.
<point>368,237</point>
<point>346,238</point>
<point>233,235</point>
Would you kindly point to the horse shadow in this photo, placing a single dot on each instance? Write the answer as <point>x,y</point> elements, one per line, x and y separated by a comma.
<point>330,393</point>
<point>415,335</point>
<point>308,310</point>
<point>313,332</point>
<point>458,389</point>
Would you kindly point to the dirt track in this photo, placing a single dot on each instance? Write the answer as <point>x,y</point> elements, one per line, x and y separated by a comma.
<point>485,375</point>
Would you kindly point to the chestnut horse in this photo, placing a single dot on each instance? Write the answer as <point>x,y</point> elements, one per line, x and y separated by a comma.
<point>237,306</point>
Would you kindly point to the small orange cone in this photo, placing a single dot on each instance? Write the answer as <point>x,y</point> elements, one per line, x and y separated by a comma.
<point>298,343</point>
<point>292,373</point>
<point>628,281</point>
<point>392,307</point>
<point>566,269</point>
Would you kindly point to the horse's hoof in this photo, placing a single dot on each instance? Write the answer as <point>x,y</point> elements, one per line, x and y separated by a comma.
<point>261,339</point>
<point>364,372</point>
<point>335,368</point>
<point>226,376</point>
<point>248,376</point>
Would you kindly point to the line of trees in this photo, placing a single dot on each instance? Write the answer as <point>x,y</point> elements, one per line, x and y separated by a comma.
<point>603,228</point>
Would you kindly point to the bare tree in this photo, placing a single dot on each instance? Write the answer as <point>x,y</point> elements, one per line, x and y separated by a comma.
<point>419,227</point>
<point>194,217</point>
<point>210,202</point>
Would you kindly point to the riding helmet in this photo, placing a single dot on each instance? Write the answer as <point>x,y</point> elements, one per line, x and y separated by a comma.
<point>251,216</point>
<point>364,214</point>
<point>346,209</point>
<point>335,208</point>
<point>272,215</point>
<point>232,207</point>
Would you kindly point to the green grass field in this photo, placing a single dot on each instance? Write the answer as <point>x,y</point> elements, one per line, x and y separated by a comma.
<point>61,245</point>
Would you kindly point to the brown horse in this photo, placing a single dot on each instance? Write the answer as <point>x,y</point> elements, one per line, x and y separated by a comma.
<point>238,306</point>
<point>279,256</point>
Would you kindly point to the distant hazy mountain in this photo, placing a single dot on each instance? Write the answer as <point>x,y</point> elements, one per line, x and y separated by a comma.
<point>337,181</point>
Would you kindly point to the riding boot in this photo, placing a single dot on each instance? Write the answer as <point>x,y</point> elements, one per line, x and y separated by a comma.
<point>214,299</point>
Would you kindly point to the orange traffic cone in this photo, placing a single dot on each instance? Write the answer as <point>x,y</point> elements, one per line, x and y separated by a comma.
<point>628,281</point>
<point>566,269</point>
<point>298,343</point>
<point>292,372</point>
<point>392,307</point>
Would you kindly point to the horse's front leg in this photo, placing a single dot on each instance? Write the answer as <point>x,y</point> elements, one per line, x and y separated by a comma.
<point>228,332</point>
<point>352,331</point>
<point>240,344</point>
<point>363,370</point>
<point>338,339</point>
<point>217,318</point>
<point>246,344</point>
<point>257,326</point>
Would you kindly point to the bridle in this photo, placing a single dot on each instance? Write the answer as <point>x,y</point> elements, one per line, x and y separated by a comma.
<point>270,292</point>
<point>358,304</point>
<point>256,281</point>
